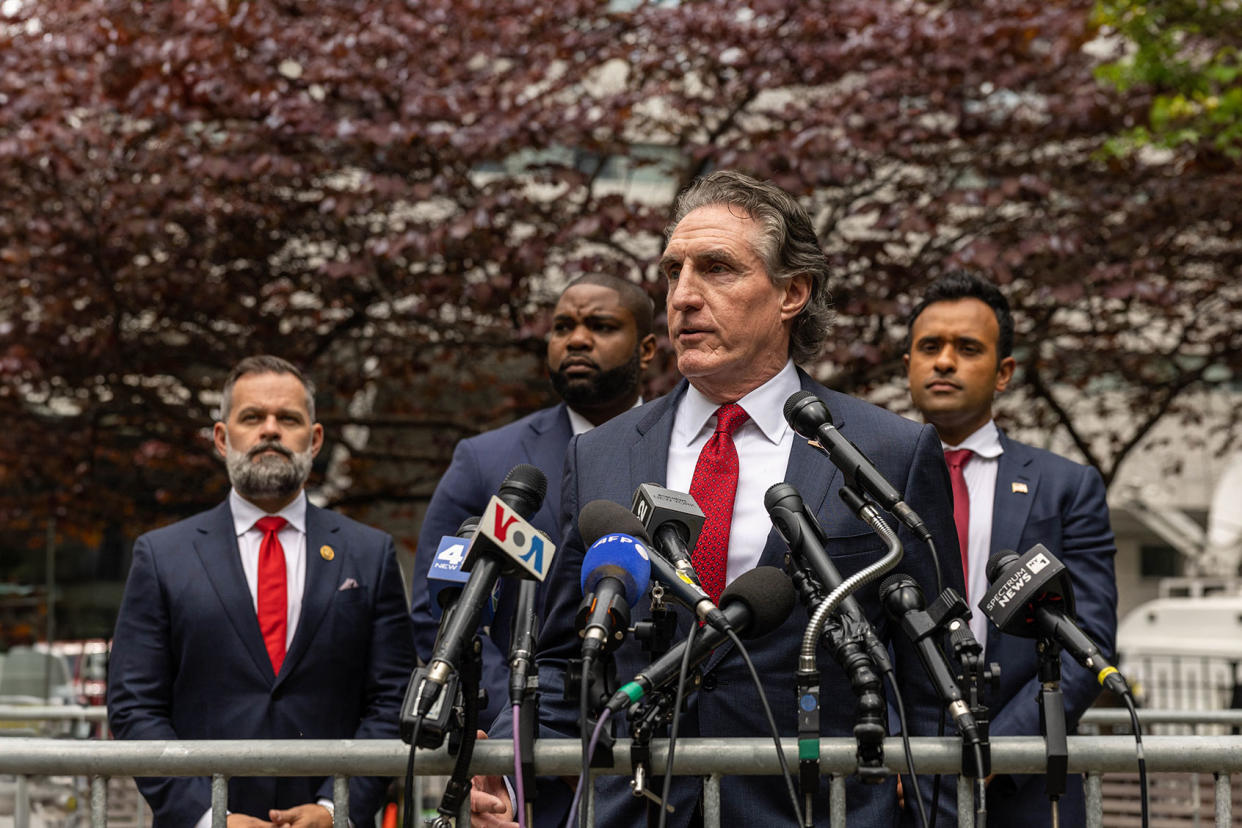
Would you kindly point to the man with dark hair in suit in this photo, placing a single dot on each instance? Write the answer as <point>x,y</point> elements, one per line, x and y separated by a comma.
<point>1010,496</point>
<point>598,348</point>
<point>747,300</point>
<point>263,618</point>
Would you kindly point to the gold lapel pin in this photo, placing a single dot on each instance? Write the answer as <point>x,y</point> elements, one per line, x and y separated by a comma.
<point>327,554</point>
<point>1018,488</point>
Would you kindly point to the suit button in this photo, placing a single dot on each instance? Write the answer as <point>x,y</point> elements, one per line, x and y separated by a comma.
<point>709,682</point>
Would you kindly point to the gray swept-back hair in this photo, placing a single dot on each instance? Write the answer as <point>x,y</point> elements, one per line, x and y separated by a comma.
<point>789,246</point>
<point>265,364</point>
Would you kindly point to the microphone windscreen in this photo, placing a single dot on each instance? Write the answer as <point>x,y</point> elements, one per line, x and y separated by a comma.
<point>805,413</point>
<point>601,517</point>
<point>999,562</point>
<point>768,593</point>
<point>523,489</point>
<point>619,556</point>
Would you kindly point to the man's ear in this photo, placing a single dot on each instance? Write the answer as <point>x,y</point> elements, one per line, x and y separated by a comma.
<point>316,439</point>
<point>219,435</point>
<point>1004,373</point>
<point>646,352</point>
<point>797,294</point>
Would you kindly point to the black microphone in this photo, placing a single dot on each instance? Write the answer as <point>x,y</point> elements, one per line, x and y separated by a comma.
<point>504,543</point>
<point>600,516</point>
<point>673,521</point>
<point>805,538</point>
<point>522,641</point>
<point>756,603</point>
<point>903,600</point>
<point>809,416</point>
<point>1031,596</point>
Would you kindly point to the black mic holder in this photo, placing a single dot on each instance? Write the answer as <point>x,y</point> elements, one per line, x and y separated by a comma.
<point>871,711</point>
<point>601,684</point>
<point>1052,718</point>
<point>648,717</point>
<point>657,633</point>
<point>457,791</point>
<point>978,681</point>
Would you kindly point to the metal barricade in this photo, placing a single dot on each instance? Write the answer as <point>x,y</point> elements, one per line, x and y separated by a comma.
<point>709,758</point>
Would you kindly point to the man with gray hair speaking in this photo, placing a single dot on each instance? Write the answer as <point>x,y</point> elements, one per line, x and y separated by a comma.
<point>747,300</point>
<point>263,618</point>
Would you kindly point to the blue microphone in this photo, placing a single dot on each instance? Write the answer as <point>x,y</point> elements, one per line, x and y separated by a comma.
<point>615,574</point>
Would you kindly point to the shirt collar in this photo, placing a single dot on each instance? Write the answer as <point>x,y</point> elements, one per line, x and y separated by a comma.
<point>764,406</point>
<point>246,513</point>
<point>985,442</point>
<point>580,425</point>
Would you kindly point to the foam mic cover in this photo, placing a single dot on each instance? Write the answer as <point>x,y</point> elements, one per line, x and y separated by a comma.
<point>601,517</point>
<point>524,489</point>
<point>620,556</point>
<point>769,595</point>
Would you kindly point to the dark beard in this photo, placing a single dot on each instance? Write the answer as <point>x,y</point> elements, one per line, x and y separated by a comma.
<point>599,389</point>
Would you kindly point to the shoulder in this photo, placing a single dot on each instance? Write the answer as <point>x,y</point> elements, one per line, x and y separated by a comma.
<point>1047,462</point>
<point>864,422</point>
<point>539,422</point>
<point>217,519</point>
<point>629,425</point>
<point>336,522</point>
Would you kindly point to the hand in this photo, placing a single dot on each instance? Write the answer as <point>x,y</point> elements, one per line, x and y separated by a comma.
<point>245,821</point>
<point>490,806</point>
<point>901,794</point>
<point>303,816</point>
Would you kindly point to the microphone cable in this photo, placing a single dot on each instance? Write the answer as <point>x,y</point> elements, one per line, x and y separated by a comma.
<point>776,736</point>
<point>905,746</point>
<point>682,674</point>
<point>588,746</point>
<point>599,728</point>
<point>1138,749</point>
<point>408,820</point>
<point>520,805</point>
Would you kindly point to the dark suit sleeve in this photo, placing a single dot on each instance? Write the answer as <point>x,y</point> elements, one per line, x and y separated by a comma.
<point>461,493</point>
<point>1087,549</point>
<point>140,688</point>
<point>390,662</point>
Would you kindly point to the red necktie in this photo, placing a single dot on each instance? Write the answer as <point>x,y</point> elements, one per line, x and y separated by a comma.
<point>273,602</point>
<point>713,488</point>
<point>956,460</point>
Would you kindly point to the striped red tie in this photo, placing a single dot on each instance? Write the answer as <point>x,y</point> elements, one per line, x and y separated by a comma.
<point>273,601</point>
<point>714,486</point>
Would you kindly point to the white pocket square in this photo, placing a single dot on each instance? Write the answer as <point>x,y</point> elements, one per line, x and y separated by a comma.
<point>348,583</point>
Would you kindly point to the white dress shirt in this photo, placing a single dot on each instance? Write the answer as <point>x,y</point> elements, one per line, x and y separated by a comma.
<point>763,443</point>
<point>980,473</point>
<point>292,540</point>
<point>581,425</point>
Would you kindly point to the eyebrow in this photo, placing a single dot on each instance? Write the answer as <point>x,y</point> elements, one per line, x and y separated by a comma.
<point>258,409</point>
<point>715,254</point>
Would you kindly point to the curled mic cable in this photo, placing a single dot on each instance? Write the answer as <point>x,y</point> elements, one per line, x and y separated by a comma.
<point>905,745</point>
<point>776,736</point>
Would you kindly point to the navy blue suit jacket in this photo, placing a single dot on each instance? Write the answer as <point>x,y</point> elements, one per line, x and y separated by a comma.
<point>479,466</point>
<point>609,462</point>
<point>188,660</point>
<point>1064,508</point>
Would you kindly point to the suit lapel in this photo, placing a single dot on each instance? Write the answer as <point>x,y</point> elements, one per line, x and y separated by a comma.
<point>216,547</point>
<point>323,571</point>
<point>649,453</point>
<point>544,442</point>
<point>1016,481</point>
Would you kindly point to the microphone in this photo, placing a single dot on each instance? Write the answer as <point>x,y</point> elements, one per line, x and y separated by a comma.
<point>673,520</point>
<point>522,642</point>
<point>599,516</point>
<point>903,600</point>
<point>805,538</point>
<point>809,416</point>
<point>755,604</point>
<point>1031,596</point>
<point>615,574</point>
<point>503,544</point>
<point>445,577</point>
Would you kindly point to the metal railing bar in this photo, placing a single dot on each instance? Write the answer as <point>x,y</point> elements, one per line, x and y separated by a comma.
<point>711,800</point>
<point>99,801</point>
<point>836,801</point>
<point>340,801</point>
<point>219,800</point>
<point>1093,789</point>
<point>1224,801</point>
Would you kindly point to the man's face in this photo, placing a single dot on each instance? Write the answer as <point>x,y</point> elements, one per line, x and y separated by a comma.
<point>594,355</point>
<point>268,442</point>
<point>954,368</point>
<point>729,324</point>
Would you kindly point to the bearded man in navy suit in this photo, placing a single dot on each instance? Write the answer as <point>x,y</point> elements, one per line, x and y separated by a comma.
<point>959,357</point>
<point>264,618</point>
<point>599,346</point>
<point>747,300</point>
